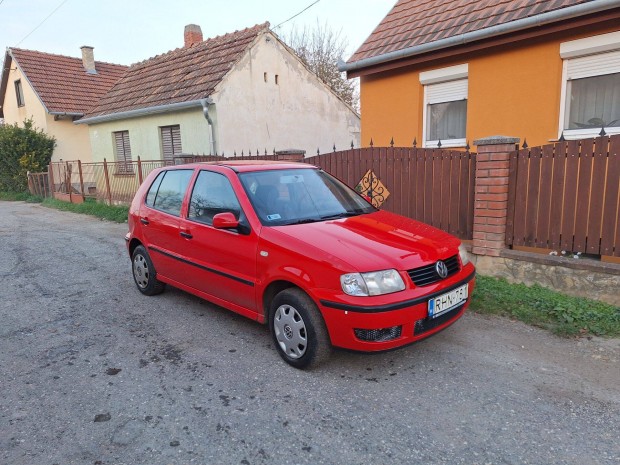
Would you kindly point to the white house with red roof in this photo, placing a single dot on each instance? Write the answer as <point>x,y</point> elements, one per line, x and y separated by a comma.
<point>243,91</point>
<point>54,91</point>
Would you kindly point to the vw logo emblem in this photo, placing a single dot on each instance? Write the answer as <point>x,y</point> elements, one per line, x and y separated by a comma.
<point>442,269</point>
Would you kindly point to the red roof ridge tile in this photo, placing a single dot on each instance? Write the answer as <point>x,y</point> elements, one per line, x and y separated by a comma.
<point>61,56</point>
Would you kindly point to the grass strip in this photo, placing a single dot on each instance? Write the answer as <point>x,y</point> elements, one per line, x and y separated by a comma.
<point>21,197</point>
<point>538,306</point>
<point>116,213</point>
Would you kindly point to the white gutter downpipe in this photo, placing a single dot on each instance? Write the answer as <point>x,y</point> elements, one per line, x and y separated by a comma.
<point>570,12</point>
<point>205,102</point>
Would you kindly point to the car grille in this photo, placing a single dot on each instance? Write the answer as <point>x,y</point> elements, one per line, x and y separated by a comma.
<point>426,324</point>
<point>379,335</point>
<point>426,275</point>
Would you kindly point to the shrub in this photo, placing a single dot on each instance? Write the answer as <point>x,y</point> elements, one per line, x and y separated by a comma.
<point>22,149</point>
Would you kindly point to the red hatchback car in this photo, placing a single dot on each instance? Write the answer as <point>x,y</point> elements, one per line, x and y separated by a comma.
<point>289,245</point>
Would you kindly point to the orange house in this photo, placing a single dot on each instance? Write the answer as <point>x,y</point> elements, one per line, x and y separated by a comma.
<point>450,72</point>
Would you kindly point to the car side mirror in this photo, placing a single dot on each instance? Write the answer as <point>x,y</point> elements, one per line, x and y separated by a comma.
<point>225,220</point>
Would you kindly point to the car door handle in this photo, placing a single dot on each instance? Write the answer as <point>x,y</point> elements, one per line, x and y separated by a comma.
<point>186,235</point>
<point>144,221</point>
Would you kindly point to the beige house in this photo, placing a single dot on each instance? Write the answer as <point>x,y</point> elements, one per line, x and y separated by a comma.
<point>54,91</point>
<point>238,92</point>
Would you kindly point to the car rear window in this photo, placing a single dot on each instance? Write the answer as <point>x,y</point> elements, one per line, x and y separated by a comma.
<point>167,191</point>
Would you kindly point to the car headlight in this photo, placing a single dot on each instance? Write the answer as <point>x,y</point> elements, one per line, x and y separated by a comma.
<point>373,283</point>
<point>463,254</point>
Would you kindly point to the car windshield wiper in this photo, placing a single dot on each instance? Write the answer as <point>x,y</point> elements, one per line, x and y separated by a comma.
<point>303,221</point>
<point>346,214</point>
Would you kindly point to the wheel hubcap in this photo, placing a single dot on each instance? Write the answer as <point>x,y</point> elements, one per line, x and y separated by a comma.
<point>141,271</point>
<point>290,331</point>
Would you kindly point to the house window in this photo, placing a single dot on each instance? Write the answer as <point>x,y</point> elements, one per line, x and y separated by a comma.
<point>170,143</point>
<point>122,152</point>
<point>445,106</point>
<point>591,86</point>
<point>19,93</point>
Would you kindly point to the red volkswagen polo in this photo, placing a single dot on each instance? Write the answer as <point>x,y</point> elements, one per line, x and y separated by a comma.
<point>289,245</point>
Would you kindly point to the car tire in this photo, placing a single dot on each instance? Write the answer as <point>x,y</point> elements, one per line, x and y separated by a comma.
<point>144,274</point>
<point>298,329</point>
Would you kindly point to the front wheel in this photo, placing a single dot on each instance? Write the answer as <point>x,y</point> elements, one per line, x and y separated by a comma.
<point>298,329</point>
<point>144,273</point>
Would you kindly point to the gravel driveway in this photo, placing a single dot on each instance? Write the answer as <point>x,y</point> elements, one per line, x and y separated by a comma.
<point>92,372</point>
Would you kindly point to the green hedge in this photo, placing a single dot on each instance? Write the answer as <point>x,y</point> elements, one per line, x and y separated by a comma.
<point>22,149</point>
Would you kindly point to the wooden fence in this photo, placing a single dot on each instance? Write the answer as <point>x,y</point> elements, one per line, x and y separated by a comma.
<point>565,196</point>
<point>430,185</point>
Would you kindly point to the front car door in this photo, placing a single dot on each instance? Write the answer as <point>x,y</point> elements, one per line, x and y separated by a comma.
<point>224,260</point>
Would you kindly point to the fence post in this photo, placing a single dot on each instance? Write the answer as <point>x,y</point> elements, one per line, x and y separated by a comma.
<point>81,180</point>
<point>30,184</point>
<point>139,170</point>
<point>68,177</point>
<point>107,181</point>
<point>491,193</point>
<point>50,173</point>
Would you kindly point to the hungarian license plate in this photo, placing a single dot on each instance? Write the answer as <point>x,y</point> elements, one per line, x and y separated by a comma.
<point>446,302</point>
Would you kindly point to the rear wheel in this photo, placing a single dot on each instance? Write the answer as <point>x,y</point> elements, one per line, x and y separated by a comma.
<point>144,273</point>
<point>298,329</point>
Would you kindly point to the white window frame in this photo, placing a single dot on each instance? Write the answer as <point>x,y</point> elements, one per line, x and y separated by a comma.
<point>587,50</point>
<point>441,76</point>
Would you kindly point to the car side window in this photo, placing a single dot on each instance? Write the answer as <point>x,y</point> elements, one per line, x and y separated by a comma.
<point>167,194</point>
<point>212,194</point>
<point>150,196</point>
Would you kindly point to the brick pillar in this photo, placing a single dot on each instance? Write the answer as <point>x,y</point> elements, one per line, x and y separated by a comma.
<point>491,194</point>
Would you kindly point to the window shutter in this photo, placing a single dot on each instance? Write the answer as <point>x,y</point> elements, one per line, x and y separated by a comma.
<point>593,65</point>
<point>123,149</point>
<point>171,142</point>
<point>123,152</point>
<point>446,91</point>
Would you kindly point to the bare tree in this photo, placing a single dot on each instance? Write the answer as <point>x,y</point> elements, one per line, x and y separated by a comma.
<point>320,49</point>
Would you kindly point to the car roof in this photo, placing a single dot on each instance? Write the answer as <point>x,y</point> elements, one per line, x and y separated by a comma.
<point>243,166</point>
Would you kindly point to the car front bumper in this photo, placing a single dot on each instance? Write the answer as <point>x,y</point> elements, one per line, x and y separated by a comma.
<point>354,324</point>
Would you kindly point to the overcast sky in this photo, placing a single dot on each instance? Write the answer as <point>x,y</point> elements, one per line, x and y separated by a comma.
<point>128,31</point>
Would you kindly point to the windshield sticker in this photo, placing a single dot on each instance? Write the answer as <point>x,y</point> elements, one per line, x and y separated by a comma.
<point>275,216</point>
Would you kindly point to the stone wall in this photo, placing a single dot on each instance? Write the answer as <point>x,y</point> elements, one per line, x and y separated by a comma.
<point>577,277</point>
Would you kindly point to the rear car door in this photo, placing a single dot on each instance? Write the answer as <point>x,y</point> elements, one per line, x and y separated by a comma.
<point>160,216</point>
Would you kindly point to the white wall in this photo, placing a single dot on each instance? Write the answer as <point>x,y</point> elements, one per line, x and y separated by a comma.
<point>299,112</point>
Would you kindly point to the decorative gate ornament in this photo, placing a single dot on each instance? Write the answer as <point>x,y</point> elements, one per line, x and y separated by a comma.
<point>372,187</point>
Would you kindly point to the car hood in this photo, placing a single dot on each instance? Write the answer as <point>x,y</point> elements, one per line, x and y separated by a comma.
<point>374,241</point>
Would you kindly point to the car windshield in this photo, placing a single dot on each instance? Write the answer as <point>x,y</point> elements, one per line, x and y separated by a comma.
<point>295,196</point>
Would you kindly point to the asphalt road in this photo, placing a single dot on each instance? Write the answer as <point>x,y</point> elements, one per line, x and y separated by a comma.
<point>92,372</point>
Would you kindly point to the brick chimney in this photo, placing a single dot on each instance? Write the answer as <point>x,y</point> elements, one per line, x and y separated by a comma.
<point>88,59</point>
<point>192,35</point>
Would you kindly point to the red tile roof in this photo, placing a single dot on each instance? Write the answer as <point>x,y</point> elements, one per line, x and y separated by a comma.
<point>182,75</point>
<point>416,22</point>
<point>62,83</point>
